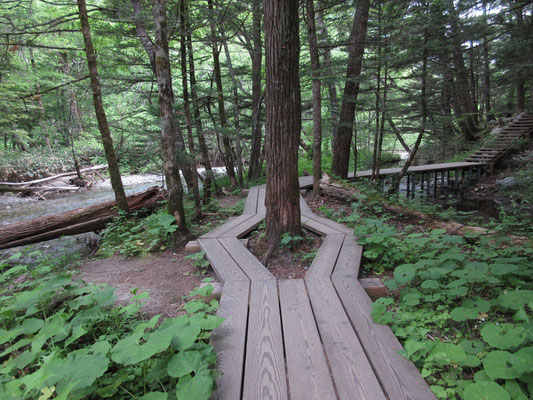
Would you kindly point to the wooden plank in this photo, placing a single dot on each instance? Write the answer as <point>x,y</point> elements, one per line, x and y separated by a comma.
<point>264,374</point>
<point>220,230</point>
<point>304,207</point>
<point>245,227</point>
<point>261,209</point>
<point>250,207</point>
<point>325,259</point>
<point>317,227</point>
<point>399,377</point>
<point>305,182</point>
<point>224,265</point>
<point>309,377</point>
<point>250,265</point>
<point>349,260</point>
<point>229,339</point>
<point>330,223</point>
<point>354,378</point>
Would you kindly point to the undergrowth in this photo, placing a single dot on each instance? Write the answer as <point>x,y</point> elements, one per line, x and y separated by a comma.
<point>462,306</point>
<point>62,338</point>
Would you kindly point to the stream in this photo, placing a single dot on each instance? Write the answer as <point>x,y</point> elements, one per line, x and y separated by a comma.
<point>16,208</point>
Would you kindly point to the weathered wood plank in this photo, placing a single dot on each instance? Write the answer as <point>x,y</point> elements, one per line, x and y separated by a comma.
<point>419,168</point>
<point>317,227</point>
<point>264,374</point>
<point>224,265</point>
<point>261,208</point>
<point>399,377</point>
<point>304,207</point>
<point>349,260</point>
<point>328,222</point>
<point>229,339</point>
<point>244,228</point>
<point>220,230</point>
<point>309,377</point>
<point>305,182</point>
<point>354,378</point>
<point>325,259</point>
<point>250,265</point>
<point>250,206</point>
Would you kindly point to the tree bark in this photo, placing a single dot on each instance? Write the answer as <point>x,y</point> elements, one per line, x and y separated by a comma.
<point>103,126</point>
<point>283,120</point>
<point>169,124</point>
<point>317,97</point>
<point>72,222</point>
<point>254,170</point>
<point>341,150</point>
<point>187,109</point>
<point>209,176</point>
<point>520,82</point>
<point>228,156</point>
<point>486,71</point>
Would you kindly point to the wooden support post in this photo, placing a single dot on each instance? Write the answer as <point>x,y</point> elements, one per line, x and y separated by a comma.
<point>469,176</point>
<point>456,180</point>
<point>478,172</point>
<point>435,184</point>
<point>447,183</point>
<point>422,182</point>
<point>428,186</point>
<point>408,184</point>
<point>442,183</point>
<point>413,185</point>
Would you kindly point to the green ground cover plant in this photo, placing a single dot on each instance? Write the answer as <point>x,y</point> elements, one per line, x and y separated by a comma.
<point>62,338</point>
<point>461,306</point>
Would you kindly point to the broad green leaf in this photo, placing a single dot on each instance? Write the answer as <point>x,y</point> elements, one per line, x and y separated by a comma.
<point>502,269</point>
<point>128,351</point>
<point>485,391</point>
<point>516,299</point>
<point>513,388</point>
<point>503,336</point>
<point>380,315</point>
<point>404,273</point>
<point>198,387</point>
<point>430,284</point>
<point>180,365</point>
<point>472,346</point>
<point>206,321</point>
<point>154,396</point>
<point>501,364</point>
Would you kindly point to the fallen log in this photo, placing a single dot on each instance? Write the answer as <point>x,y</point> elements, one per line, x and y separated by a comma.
<point>54,177</point>
<point>338,190</point>
<point>85,219</point>
<point>40,189</point>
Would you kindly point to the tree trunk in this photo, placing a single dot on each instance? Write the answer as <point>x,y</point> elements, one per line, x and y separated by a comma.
<point>254,170</point>
<point>228,156</point>
<point>520,82</point>
<point>341,150</point>
<point>168,123</point>
<point>486,71</point>
<point>283,120</point>
<point>209,176</point>
<point>86,219</point>
<point>188,120</point>
<point>317,98</point>
<point>107,141</point>
<point>330,82</point>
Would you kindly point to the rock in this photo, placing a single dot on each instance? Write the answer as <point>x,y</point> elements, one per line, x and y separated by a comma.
<point>506,182</point>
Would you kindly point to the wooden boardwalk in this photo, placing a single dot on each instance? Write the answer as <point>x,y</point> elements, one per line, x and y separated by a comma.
<point>301,339</point>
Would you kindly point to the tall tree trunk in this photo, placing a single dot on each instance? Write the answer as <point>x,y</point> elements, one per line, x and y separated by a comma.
<point>209,176</point>
<point>377,93</point>
<point>186,105</point>
<point>228,156</point>
<point>330,82</point>
<point>236,109</point>
<point>520,82</point>
<point>183,156</point>
<point>254,170</point>
<point>283,120</point>
<point>168,123</point>
<point>40,104</point>
<point>486,71</point>
<point>463,90</point>
<point>317,98</point>
<point>341,150</point>
<point>103,126</point>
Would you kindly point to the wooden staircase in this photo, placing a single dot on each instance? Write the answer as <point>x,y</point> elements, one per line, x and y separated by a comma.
<point>520,128</point>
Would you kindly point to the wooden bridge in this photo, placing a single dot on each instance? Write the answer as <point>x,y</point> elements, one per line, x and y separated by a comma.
<point>301,339</point>
<point>441,179</point>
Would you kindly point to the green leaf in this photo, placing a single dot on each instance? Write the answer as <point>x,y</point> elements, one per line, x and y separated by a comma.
<point>206,321</point>
<point>404,273</point>
<point>501,364</point>
<point>180,365</point>
<point>430,284</point>
<point>485,391</point>
<point>513,388</point>
<point>516,299</point>
<point>198,387</point>
<point>380,315</point>
<point>503,336</point>
<point>128,351</point>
